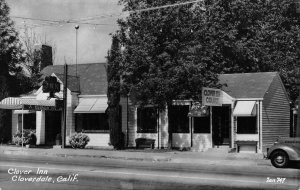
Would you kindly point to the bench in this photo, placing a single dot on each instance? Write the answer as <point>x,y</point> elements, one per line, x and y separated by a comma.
<point>245,142</point>
<point>144,143</point>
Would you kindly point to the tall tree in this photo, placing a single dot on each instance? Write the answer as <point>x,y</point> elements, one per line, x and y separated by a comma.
<point>10,57</point>
<point>170,53</point>
<point>163,59</point>
<point>114,59</point>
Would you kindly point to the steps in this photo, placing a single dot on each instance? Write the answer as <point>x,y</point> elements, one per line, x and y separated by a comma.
<point>220,148</point>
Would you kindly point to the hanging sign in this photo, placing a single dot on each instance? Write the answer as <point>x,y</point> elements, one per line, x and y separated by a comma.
<point>51,85</point>
<point>198,110</point>
<point>211,97</point>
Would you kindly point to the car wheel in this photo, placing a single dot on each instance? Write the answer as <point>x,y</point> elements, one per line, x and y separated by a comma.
<point>279,159</point>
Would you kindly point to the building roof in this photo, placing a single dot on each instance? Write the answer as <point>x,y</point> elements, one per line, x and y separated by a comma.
<point>247,85</point>
<point>92,77</point>
<point>73,82</point>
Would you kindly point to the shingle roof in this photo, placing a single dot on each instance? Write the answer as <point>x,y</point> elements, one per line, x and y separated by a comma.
<point>247,85</point>
<point>92,77</point>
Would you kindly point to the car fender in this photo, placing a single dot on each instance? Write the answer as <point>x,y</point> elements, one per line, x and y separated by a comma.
<point>293,152</point>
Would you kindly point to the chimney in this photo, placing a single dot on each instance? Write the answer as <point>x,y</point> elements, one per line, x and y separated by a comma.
<point>45,55</point>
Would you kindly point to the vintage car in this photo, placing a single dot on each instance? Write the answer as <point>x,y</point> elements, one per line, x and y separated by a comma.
<point>283,151</point>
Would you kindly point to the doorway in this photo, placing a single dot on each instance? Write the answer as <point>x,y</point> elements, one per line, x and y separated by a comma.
<point>52,126</point>
<point>221,125</point>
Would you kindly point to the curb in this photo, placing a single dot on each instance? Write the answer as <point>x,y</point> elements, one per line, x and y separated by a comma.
<point>230,159</point>
<point>149,159</point>
<point>15,152</point>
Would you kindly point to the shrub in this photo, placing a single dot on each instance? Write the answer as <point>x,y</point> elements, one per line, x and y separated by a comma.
<point>29,137</point>
<point>79,140</point>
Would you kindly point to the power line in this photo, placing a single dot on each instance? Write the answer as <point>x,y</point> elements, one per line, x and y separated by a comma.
<point>97,17</point>
<point>52,22</point>
<point>135,11</point>
<point>165,6</point>
<point>59,21</point>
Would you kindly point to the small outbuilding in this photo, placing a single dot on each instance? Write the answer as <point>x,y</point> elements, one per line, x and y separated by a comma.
<point>248,113</point>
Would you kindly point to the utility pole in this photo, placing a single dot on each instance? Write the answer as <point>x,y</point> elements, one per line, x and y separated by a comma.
<point>76,28</point>
<point>65,106</point>
<point>297,3</point>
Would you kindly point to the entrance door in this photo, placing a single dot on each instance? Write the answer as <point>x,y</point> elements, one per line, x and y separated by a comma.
<point>52,126</point>
<point>221,125</point>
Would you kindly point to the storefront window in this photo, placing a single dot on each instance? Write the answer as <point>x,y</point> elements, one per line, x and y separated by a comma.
<point>92,122</point>
<point>29,121</point>
<point>178,119</point>
<point>246,125</point>
<point>147,120</point>
<point>202,124</point>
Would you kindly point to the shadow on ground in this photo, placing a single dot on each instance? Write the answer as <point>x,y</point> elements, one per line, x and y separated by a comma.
<point>294,165</point>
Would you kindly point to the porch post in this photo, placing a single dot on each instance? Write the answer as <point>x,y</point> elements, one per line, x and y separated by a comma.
<point>40,127</point>
<point>232,126</point>
<point>211,126</point>
<point>260,125</point>
<point>22,127</point>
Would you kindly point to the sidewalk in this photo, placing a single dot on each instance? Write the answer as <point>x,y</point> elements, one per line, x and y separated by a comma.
<point>171,156</point>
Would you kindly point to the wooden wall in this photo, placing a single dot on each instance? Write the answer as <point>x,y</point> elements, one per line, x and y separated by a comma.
<point>275,113</point>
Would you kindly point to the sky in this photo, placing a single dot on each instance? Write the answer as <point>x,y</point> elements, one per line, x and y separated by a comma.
<point>94,39</point>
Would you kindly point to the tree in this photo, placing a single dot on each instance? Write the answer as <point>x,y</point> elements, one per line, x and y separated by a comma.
<point>11,55</point>
<point>114,59</point>
<point>163,59</point>
<point>255,36</point>
<point>170,53</point>
<point>31,65</point>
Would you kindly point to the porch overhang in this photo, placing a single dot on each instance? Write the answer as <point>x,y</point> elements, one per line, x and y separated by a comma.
<point>245,108</point>
<point>30,104</point>
<point>92,105</point>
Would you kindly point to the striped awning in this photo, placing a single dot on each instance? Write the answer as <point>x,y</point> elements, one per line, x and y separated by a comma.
<point>11,103</point>
<point>22,103</point>
<point>92,105</point>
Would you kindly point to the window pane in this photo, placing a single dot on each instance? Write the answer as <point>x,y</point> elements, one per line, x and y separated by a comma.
<point>202,124</point>
<point>94,122</point>
<point>29,121</point>
<point>147,120</point>
<point>178,119</point>
<point>246,125</point>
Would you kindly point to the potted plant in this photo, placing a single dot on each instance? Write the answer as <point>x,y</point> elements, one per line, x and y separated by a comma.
<point>29,138</point>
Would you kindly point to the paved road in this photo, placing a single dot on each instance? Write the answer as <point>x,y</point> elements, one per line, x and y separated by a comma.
<point>84,173</point>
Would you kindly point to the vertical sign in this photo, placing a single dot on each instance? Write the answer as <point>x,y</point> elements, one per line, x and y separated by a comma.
<point>211,97</point>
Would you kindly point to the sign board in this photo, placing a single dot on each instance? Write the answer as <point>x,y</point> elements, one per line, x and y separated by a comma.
<point>211,97</point>
<point>58,106</point>
<point>40,107</point>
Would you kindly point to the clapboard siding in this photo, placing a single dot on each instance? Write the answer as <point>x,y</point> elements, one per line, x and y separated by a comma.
<point>275,113</point>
